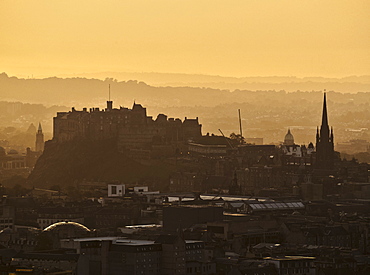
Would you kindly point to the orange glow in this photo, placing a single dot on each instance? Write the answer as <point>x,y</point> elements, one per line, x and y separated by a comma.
<point>232,38</point>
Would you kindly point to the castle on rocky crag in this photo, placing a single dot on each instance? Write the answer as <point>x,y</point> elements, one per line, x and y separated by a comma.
<point>131,129</point>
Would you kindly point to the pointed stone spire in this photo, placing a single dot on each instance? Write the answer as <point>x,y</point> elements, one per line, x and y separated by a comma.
<point>324,113</point>
<point>40,128</point>
<point>324,129</point>
<point>39,140</point>
<point>324,143</point>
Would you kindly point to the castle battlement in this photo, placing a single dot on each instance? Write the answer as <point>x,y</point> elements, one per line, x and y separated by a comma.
<point>131,128</point>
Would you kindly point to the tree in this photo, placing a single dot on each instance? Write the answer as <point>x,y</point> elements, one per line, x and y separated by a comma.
<point>236,138</point>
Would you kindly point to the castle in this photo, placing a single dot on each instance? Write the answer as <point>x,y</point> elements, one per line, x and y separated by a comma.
<point>131,129</point>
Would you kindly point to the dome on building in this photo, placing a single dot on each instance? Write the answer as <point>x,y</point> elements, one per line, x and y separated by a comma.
<point>289,139</point>
<point>73,225</point>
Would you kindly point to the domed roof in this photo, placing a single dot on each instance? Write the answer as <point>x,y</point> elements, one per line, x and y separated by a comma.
<point>289,139</point>
<point>58,225</point>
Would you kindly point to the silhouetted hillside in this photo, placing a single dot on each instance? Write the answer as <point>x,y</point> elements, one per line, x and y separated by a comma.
<point>81,92</point>
<point>68,163</point>
<point>288,83</point>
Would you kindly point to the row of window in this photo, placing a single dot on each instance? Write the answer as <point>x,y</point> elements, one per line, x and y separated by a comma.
<point>6,221</point>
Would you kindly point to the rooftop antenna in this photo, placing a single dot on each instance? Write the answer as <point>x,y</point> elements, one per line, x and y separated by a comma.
<point>109,93</point>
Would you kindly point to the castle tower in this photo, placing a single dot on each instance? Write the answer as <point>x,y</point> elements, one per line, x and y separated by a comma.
<point>324,142</point>
<point>39,140</point>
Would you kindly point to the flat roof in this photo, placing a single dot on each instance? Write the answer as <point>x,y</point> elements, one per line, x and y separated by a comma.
<point>289,258</point>
<point>132,242</point>
<point>142,226</point>
<point>93,239</point>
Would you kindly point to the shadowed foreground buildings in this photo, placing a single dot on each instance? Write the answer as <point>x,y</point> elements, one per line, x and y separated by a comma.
<point>258,235</point>
<point>234,208</point>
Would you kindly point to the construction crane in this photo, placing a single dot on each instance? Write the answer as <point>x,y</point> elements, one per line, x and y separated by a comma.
<point>226,139</point>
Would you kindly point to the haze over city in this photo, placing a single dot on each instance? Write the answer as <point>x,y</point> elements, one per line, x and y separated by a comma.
<point>185,137</point>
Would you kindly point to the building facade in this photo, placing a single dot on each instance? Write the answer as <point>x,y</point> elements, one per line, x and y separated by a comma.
<point>132,129</point>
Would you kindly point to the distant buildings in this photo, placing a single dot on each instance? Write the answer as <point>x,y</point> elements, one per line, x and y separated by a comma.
<point>13,160</point>
<point>353,146</point>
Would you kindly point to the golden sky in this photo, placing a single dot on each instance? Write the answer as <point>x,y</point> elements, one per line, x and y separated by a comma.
<point>225,37</point>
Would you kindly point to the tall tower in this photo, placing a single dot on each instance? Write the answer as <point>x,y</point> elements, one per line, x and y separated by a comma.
<point>39,140</point>
<point>324,143</point>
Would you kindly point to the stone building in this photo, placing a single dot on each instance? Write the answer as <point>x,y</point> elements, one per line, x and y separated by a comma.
<point>325,143</point>
<point>131,129</point>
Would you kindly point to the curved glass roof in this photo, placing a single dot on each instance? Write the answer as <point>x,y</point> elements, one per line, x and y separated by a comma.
<point>59,224</point>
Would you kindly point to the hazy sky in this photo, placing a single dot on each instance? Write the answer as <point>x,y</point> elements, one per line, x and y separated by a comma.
<point>229,37</point>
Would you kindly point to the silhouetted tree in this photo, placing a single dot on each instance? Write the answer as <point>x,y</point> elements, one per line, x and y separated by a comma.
<point>237,138</point>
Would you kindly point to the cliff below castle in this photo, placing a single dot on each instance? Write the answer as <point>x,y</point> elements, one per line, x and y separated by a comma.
<point>72,162</point>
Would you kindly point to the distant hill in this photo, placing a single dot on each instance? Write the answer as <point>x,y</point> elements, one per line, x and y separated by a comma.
<point>201,91</point>
<point>222,82</point>
<point>266,112</point>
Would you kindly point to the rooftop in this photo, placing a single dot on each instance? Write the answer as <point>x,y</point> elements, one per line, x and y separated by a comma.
<point>289,258</point>
<point>61,224</point>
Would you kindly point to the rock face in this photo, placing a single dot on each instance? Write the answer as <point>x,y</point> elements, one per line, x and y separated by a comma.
<point>71,162</point>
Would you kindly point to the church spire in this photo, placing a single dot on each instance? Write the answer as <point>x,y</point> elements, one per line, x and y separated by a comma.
<point>324,113</point>
<point>325,142</point>
<point>39,140</point>
<point>40,128</point>
<point>324,129</point>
